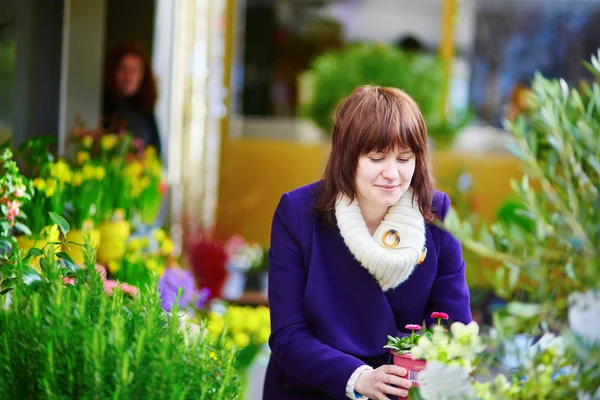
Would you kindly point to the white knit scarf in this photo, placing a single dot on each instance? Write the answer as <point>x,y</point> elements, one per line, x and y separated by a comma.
<point>392,253</point>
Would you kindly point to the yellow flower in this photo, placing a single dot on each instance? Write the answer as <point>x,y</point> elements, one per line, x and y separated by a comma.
<point>132,170</point>
<point>150,152</point>
<point>113,266</point>
<point>166,248</point>
<point>153,265</point>
<point>144,183</point>
<point>263,335</point>
<point>216,324</point>
<point>159,235</point>
<point>39,184</point>
<point>241,340</point>
<point>100,172</point>
<point>82,156</point>
<point>89,172</point>
<point>87,142</point>
<point>50,187</point>
<point>77,178</point>
<point>108,141</point>
<point>61,171</point>
<point>134,245</point>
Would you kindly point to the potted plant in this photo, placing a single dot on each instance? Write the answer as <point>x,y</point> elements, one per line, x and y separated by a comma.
<point>402,348</point>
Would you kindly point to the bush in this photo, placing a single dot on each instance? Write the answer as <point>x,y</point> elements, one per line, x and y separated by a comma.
<point>61,340</point>
<point>336,74</point>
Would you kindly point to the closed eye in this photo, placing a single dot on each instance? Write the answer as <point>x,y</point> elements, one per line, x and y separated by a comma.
<point>375,159</point>
<point>403,160</point>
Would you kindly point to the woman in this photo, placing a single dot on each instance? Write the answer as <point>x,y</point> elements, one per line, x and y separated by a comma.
<point>356,256</point>
<point>130,94</point>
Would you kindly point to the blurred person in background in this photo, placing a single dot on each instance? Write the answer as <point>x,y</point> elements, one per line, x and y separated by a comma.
<point>357,256</point>
<point>130,94</point>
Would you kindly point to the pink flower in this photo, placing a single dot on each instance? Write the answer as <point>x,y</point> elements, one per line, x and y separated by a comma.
<point>13,210</point>
<point>413,327</point>
<point>138,143</point>
<point>110,285</point>
<point>234,245</point>
<point>438,314</point>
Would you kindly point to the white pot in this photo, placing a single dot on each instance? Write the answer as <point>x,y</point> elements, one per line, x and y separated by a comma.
<point>233,289</point>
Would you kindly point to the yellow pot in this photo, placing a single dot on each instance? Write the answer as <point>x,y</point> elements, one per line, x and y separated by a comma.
<point>113,240</point>
<point>48,234</point>
<point>78,236</point>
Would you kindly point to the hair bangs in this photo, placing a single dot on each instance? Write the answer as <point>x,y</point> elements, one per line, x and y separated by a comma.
<point>388,123</point>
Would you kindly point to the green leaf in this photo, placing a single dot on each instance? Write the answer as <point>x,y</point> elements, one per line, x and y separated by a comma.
<point>5,243</point>
<point>68,261</point>
<point>35,252</point>
<point>62,223</point>
<point>23,228</point>
<point>4,291</point>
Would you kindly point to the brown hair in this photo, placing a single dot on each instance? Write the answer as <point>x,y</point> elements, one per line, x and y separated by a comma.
<point>145,98</point>
<point>374,118</point>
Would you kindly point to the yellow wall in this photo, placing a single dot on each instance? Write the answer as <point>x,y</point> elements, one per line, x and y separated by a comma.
<point>254,174</point>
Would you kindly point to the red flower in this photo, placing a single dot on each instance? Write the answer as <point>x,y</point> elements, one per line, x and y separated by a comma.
<point>208,260</point>
<point>413,327</point>
<point>438,314</point>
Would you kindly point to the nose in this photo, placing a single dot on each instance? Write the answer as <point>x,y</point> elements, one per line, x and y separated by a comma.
<point>390,171</point>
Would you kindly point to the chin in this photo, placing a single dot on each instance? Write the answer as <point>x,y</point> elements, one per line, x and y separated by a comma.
<point>388,201</point>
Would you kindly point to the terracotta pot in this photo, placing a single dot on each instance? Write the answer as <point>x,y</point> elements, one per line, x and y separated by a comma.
<point>412,366</point>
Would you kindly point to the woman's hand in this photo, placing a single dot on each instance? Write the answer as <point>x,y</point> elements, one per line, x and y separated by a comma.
<point>377,383</point>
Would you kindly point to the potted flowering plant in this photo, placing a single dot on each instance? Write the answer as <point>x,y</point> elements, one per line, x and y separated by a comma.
<point>448,360</point>
<point>401,347</point>
<point>242,256</point>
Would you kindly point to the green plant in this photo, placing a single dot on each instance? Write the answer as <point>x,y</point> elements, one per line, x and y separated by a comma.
<point>60,340</point>
<point>336,74</point>
<point>551,252</point>
<point>405,344</point>
<point>15,192</point>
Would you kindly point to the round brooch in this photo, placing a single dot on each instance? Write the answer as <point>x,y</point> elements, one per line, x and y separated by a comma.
<point>423,255</point>
<point>391,239</point>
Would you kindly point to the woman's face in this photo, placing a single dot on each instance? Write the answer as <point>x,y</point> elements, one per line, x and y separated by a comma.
<point>382,178</point>
<point>129,75</point>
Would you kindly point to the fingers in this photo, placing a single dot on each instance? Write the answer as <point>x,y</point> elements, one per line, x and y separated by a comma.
<point>397,381</point>
<point>394,370</point>
<point>395,392</point>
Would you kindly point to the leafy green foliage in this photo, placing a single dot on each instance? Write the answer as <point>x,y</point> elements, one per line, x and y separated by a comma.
<point>336,74</point>
<point>404,344</point>
<point>61,340</point>
<point>548,240</point>
<point>550,244</point>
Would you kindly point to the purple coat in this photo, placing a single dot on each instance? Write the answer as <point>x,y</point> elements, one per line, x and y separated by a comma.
<point>328,314</point>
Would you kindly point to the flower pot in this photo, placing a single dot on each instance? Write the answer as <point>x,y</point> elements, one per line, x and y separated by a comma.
<point>412,366</point>
<point>113,240</point>
<point>78,236</point>
<point>48,234</point>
